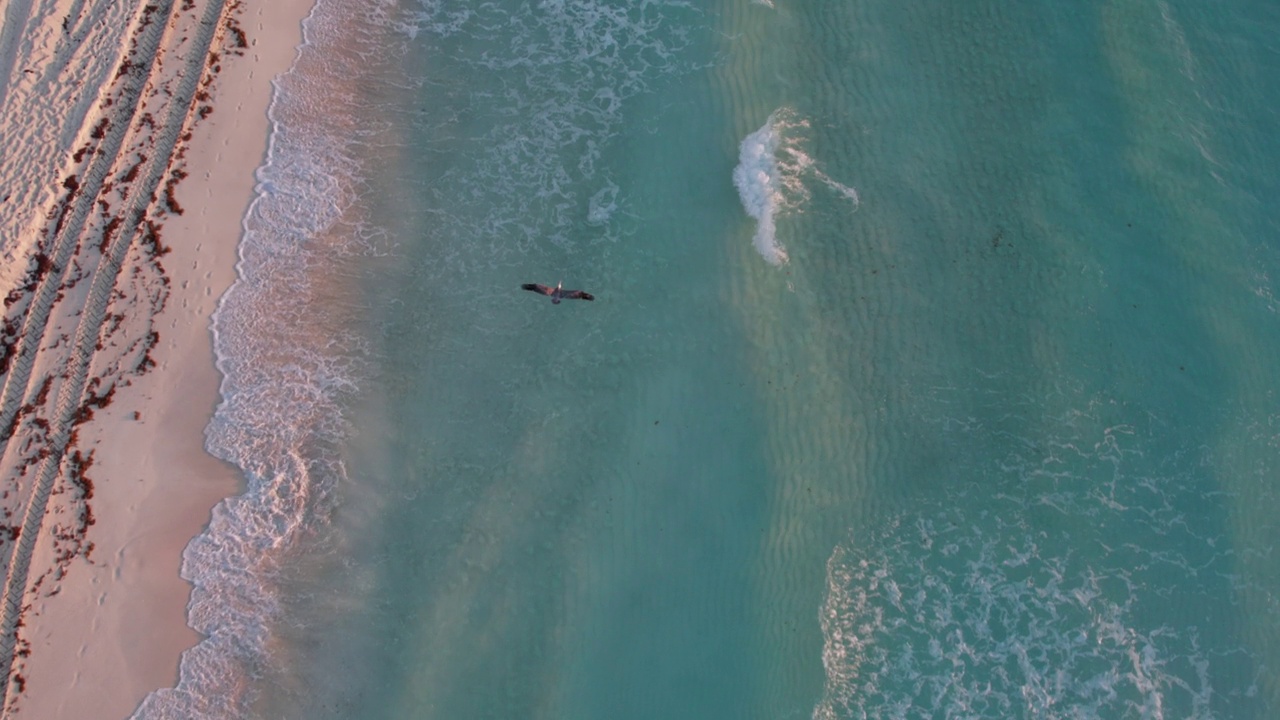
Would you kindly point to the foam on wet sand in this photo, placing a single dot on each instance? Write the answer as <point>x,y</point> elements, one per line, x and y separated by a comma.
<point>132,132</point>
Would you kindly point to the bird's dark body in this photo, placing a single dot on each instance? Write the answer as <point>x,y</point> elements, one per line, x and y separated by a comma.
<point>557,293</point>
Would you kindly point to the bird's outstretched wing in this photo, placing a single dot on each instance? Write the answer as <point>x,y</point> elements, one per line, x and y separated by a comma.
<point>578,295</point>
<point>535,287</point>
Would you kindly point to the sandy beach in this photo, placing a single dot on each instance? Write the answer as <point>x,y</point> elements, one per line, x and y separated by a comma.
<point>131,136</point>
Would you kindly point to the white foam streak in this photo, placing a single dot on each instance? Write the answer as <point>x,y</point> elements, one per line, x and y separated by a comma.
<point>770,177</point>
<point>289,358</point>
<point>1046,660</point>
<point>288,364</point>
<point>756,178</point>
<point>568,69</point>
<point>850,194</point>
<point>603,205</point>
<point>995,609</point>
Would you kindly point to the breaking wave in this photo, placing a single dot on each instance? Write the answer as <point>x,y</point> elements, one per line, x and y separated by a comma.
<point>290,362</point>
<point>1065,580</point>
<point>287,333</point>
<point>770,177</point>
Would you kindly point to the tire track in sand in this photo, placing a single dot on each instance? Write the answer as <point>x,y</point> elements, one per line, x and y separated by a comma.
<point>16,15</point>
<point>146,80</point>
<point>61,237</point>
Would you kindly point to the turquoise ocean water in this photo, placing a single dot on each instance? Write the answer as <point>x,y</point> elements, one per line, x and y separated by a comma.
<point>931,371</point>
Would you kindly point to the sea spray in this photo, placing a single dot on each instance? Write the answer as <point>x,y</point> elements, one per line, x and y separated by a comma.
<point>770,175</point>
<point>569,69</point>
<point>290,364</point>
<point>1007,595</point>
<point>757,180</point>
<point>940,617</point>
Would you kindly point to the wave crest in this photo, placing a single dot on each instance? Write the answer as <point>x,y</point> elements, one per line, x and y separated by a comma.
<point>770,177</point>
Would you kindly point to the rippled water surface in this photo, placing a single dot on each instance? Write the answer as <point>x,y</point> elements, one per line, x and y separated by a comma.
<point>930,371</point>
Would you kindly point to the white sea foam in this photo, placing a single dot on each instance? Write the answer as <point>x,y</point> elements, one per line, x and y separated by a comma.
<point>568,69</point>
<point>770,177</point>
<point>1037,602</point>
<point>975,638</point>
<point>603,205</point>
<point>288,364</point>
<point>758,183</point>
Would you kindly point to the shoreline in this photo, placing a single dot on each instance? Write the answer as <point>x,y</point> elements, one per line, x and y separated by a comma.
<point>109,375</point>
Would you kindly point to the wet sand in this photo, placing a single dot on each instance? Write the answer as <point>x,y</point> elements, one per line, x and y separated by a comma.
<point>132,134</point>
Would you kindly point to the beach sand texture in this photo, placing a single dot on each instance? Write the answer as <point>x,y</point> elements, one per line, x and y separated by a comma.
<point>123,189</point>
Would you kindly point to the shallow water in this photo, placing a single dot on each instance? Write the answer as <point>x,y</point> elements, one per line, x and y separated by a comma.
<point>929,372</point>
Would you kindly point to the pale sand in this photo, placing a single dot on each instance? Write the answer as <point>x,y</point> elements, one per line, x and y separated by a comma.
<point>97,629</point>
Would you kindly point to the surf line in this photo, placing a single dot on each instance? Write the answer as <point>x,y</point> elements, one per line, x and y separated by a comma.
<point>770,176</point>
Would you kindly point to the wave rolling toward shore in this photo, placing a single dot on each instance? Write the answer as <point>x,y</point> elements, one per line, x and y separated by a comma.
<point>771,177</point>
<point>113,260</point>
<point>956,450</point>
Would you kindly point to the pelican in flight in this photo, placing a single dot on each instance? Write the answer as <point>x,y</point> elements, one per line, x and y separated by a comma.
<point>557,292</point>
